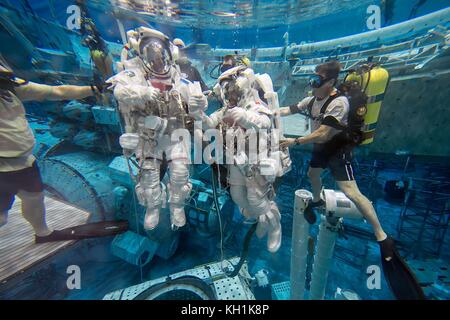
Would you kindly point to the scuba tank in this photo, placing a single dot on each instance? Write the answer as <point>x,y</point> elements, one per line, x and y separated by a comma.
<point>373,81</point>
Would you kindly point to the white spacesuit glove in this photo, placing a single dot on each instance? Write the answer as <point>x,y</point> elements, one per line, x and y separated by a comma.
<point>129,142</point>
<point>135,95</point>
<point>127,91</point>
<point>197,105</point>
<point>239,116</point>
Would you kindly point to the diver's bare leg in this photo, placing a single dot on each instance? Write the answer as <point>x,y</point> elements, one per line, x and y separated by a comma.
<point>314,175</point>
<point>351,190</point>
<point>33,210</point>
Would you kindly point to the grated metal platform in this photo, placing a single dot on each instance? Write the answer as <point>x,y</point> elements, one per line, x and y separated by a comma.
<point>430,273</point>
<point>235,288</point>
<point>281,291</point>
<point>17,248</point>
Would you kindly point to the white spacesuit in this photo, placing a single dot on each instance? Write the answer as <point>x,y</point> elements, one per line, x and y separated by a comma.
<point>152,99</point>
<point>250,185</point>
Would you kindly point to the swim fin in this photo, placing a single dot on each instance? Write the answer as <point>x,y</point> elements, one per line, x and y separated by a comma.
<point>399,276</point>
<point>84,231</point>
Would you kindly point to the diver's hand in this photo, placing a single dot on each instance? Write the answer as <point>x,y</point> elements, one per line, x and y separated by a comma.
<point>99,86</point>
<point>197,104</point>
<point>287,142</point>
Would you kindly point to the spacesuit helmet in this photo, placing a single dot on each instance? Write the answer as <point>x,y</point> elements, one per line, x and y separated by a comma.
<point>235,85</point>
<point>231,93</point>
<point>156,55</point>
<point>155,50</point>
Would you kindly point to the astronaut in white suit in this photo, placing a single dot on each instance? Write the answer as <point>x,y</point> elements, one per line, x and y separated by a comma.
<point>152,100</point>
<point>243,111</point>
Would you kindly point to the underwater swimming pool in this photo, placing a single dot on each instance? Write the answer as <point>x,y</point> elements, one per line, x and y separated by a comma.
<point>233,150</point>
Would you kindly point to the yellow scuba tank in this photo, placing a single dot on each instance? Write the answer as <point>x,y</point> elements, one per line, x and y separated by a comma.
<point>373,81</point>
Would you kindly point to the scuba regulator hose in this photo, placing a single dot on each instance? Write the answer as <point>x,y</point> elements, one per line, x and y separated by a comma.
<point>244,254</point>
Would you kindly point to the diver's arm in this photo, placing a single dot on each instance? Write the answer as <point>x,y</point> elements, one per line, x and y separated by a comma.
<point>41,92</point>
<point>330,124</point>
<point>295,108</point>
<point>285,111</point>
<point>323,134</point>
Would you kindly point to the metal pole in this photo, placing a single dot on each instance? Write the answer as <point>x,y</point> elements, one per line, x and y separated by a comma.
<point>299,254</point>
<point>324,256</point>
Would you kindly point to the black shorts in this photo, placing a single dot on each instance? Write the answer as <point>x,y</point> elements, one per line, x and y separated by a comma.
<point>28,179</point>
<point>339,162</point>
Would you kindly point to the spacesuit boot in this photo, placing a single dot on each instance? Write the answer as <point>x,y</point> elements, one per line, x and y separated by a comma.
<point>151,218</point>
<point>263,226</point>
<point>177,201</point>
<point>177,216</point>
<point>151,194</point>
<point>274,230</point>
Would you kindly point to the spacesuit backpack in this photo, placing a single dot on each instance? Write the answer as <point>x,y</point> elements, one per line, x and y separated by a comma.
<point>279,162</point>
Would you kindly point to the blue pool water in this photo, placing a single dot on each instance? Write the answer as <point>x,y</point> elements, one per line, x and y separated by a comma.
<point>82,165</point>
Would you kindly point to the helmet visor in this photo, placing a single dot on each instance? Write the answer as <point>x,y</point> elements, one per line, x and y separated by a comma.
<point>156,54</point>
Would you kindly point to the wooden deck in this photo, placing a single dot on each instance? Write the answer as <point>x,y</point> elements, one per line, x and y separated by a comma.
<point>18,251</point>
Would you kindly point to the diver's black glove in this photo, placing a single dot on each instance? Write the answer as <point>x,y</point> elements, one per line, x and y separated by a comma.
<point>99,86</point>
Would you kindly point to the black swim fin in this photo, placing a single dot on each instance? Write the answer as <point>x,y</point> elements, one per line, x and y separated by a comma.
<point>84,231</point>
<point>399,276</point>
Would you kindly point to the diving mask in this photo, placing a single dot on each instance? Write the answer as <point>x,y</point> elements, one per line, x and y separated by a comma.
<point>316,81</point>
